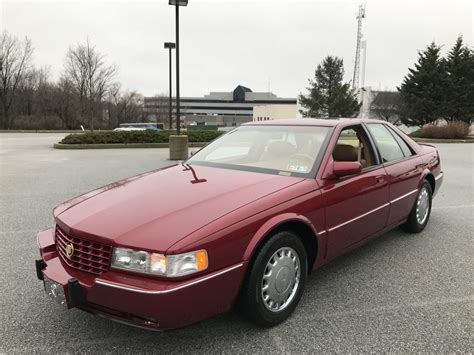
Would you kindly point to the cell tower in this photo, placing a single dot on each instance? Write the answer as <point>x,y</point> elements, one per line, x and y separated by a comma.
<point>360,16</point>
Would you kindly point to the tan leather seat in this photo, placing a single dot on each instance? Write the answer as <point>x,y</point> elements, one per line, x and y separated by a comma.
<point>344,152</point>
<point>278,149</point>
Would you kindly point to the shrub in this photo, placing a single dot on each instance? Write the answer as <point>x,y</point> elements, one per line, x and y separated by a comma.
<point>135,137</point>
<point>455,130</point>
<point>416,134</point>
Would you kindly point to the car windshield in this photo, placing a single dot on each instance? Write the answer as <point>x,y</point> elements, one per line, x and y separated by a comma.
<point>278,149</point>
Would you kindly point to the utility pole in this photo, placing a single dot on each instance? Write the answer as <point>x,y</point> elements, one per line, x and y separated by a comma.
<point>364,62</point>
<point>170,46</point>
<point>359,17</point>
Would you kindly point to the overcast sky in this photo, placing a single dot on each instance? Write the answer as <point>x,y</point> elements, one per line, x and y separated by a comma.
<point>259,43</point>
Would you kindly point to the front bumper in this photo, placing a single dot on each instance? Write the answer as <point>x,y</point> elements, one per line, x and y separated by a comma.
<point>438,182</point>
<point>138,300</point>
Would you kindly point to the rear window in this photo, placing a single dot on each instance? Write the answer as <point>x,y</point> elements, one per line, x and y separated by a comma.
<point>388,147</point>
<point>407,151</point>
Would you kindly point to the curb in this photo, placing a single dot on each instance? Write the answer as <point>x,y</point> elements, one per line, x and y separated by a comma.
<point>42,131</point>
<point>432,140</point>
<point>122,145</point>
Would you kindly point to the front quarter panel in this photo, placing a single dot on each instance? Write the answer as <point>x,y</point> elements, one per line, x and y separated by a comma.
<point>233,238</point>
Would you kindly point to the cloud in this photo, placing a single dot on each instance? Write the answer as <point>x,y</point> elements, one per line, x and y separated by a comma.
<point>258,43</point>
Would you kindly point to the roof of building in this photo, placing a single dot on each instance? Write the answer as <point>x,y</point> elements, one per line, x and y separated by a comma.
<point>239,93</point>
<point>312,122</point>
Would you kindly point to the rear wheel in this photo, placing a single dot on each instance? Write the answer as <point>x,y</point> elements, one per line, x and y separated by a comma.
<point>275,281</point>
<point>420,214</point>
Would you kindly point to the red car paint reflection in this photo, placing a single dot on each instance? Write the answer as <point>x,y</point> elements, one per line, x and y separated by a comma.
<point>368,178</point>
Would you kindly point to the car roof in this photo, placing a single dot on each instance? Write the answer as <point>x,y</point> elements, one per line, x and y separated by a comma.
<point>313,122</point>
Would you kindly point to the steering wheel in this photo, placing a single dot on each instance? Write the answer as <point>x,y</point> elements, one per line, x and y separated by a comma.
<point>305,158</point>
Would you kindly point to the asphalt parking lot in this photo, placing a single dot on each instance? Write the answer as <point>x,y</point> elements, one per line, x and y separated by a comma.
<point>399,293</point>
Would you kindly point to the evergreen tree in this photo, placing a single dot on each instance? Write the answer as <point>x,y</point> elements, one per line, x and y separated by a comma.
<point>328,96</point>
<point>460,88</point>
<point>423,90</point>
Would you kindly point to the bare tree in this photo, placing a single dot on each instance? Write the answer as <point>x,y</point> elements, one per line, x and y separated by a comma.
<point>15,61</point>
<point>124,107</point>
<point>386,106</point>
<point>157,109</point>
<point>31,86</point>
<point>91,78</point>
<point>66,104</point>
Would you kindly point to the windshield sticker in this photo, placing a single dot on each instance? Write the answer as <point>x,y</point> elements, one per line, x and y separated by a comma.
<point>297,168</point>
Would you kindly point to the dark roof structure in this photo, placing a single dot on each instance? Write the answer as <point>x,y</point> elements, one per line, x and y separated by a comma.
<point>239,93</point>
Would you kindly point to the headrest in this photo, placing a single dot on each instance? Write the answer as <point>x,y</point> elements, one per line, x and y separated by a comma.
<point>344,152</point>
<point>280,148</point>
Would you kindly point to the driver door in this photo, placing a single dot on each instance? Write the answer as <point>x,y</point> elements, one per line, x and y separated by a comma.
<point>356,206</point>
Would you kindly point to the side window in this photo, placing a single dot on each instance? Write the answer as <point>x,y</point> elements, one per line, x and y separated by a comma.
<point>353,145</point>
<point>388,146</point>
<point>406,149</point>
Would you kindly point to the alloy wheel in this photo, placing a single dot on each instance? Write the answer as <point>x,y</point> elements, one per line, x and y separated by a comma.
<point>422,205</point>
<point>280,279</point>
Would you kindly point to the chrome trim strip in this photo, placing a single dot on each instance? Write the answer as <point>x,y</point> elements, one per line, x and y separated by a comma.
<point>440,175</point>
<point>403,196</point>
<point>151,292</point>
<point>358,217</point>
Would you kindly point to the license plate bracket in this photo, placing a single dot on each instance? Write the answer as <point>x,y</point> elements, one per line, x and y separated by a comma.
<point>55,291</point>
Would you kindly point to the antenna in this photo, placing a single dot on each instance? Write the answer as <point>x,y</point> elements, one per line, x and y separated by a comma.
<point>359,17</point>
<point>364,62</point>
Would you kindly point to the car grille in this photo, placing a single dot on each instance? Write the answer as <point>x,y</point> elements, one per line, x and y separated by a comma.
<point>87,256</point>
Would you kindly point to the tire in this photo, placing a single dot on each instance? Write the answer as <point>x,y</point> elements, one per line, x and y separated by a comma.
<point>416,222</point>
<point>288,255</point>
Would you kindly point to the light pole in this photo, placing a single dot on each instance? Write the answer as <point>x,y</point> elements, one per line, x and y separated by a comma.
<point>177,4</point>
<point>170,46</point>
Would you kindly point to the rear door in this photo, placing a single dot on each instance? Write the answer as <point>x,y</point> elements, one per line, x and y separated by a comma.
<point>357,205</point>
<point>403,167</point>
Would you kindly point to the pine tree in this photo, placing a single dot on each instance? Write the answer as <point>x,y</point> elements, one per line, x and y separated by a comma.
<point>328,96</point>
<point>460,88</point>
<point>423,90</point>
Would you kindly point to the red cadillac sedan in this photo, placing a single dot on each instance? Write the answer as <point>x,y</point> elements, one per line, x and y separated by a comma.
<point>242,222</point>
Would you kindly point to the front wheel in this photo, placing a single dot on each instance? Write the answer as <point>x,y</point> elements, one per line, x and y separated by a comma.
<point>420,213</point>
<point>276,280</point>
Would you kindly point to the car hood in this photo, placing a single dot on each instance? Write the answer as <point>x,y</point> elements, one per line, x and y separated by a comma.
<point>155,210</point>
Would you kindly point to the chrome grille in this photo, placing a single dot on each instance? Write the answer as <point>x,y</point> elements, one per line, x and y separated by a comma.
<point>88,256</point>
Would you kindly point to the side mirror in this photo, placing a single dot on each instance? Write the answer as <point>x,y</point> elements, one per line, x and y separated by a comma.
<point>345,168</point>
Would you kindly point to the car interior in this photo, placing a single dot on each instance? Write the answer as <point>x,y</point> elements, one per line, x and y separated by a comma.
<point>289,150</point>
<point>353,145</point>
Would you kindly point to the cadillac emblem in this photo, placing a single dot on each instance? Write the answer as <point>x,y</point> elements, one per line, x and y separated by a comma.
<point>69,250</point>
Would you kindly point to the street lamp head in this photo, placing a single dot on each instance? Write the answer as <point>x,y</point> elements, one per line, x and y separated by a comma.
<point>178,2</point>
<point>170,45</point>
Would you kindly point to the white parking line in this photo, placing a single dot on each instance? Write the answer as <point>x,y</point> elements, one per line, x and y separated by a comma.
<point>20,231</point>
<point>448,207</point>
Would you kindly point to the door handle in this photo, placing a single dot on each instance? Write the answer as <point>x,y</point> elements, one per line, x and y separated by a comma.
<point>380,179</point>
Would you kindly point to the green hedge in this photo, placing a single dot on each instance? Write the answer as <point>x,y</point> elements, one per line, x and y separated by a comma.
<point>416,134</point>
<point>136,137</point>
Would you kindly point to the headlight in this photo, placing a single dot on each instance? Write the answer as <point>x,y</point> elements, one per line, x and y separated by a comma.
<point>159,264</point>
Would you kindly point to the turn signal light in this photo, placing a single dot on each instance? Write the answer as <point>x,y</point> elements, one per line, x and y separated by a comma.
<point>201,260</point>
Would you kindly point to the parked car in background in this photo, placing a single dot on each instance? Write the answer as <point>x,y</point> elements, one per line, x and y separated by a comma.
<point>242,222</point>
<point>139,127</point>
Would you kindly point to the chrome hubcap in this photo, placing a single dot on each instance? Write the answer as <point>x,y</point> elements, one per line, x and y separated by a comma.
<point>422,206</point>
<point>281,279</point>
